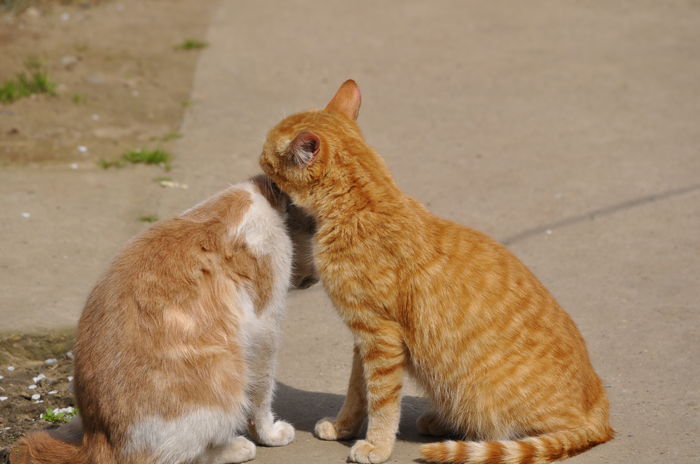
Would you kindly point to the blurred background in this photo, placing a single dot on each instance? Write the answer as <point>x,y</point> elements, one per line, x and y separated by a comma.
<point>566,129</point>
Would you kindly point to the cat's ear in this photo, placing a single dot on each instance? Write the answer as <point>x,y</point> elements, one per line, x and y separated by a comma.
<point>304,148</point>
<point>346,100</point>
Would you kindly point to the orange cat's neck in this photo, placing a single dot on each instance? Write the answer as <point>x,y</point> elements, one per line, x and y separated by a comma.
<point>365,189</point>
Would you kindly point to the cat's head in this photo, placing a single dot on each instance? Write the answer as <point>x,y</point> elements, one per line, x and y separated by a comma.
<point>309,151</point>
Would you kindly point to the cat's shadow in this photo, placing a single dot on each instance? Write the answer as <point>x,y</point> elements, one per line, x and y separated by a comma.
<point>303,408</point>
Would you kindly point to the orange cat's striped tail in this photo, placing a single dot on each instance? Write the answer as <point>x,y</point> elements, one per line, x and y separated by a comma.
<point>548,447</point>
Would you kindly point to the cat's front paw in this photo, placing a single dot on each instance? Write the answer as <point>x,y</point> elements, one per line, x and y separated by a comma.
<point>325,429</point>
<point>429,423</point>
<point>328,429</point>
<point>365,452</point>
<point>279,434</point>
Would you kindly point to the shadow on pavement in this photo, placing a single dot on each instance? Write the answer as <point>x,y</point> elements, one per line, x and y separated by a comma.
<point>303,408</point>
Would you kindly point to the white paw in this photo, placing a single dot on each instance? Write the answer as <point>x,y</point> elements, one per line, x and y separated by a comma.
<point>325,429</point>
<point>365,452</point>
<point>280,434</point>
<point>239,450</point>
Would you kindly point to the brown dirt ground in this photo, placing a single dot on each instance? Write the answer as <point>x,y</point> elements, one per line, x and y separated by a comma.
<point>121,81</point>
<point>23,357</point>
<point>121,84</point>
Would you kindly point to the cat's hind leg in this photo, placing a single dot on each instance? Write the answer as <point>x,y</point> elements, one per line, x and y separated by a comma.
<point>240,449</point>
<point>430,423</point>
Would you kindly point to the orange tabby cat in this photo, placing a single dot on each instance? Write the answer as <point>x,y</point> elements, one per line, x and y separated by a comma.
<point>176,346</point>
<point>501,362</point>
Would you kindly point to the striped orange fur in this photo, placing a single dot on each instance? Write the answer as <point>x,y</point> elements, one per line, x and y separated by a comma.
<point>501,362</point>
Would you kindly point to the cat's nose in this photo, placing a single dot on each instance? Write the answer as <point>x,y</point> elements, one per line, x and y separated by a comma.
<point>307,282</point>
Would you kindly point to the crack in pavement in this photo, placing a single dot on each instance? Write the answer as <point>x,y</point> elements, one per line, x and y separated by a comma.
<point>606,211</point>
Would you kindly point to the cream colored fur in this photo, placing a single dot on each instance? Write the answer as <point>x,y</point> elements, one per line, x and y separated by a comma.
<point>176,348</point>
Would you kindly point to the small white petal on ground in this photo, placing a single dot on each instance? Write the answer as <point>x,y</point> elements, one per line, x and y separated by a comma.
<point>66,410</point>
<point>25,215</point>
<point>36,396</point>
<point>12,368</point>
<point>51,361</point>
<point>171,184</point>
<point>32,387</point>
<point>3,398</point>
<point>53,392</point>
<point>38,378</point>
<point>69,61</point>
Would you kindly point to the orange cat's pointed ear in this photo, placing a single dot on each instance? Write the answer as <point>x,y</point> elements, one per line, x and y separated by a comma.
<point>304,148</point>
<point>346,100</point>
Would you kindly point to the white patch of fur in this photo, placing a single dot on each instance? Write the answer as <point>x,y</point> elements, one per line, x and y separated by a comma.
<point>513,451</point>
<point>477,451</point>
<point>262,226</point>
<point>185,438</point>
<point>252,326</point>
<point>266,234</point>
<point>451,448</point>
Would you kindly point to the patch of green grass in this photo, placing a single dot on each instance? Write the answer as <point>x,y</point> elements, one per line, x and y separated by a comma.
<point>14,5</point>
<point>59,416</point>
<point>171,136</point>
<point>34,80</point>
<point>106,164</point>
<point>149,218</point>
<point>162,179</point>
<point>192,44</point>
<point>140,156</point>
<point>148,156</point>
<point>81,47</point>
<point>78,98</point>
<point>186,103</point>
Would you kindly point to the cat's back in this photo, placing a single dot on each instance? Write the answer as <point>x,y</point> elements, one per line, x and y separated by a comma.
<point>488,283</point>
<point>182,294</point>
<point>176,259</point>
<point>499,315</point>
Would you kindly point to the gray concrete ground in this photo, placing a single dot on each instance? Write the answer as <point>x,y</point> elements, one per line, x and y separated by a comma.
<point>568,130</point>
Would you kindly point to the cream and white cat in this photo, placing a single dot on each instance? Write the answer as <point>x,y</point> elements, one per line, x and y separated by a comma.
<point>175,349</point>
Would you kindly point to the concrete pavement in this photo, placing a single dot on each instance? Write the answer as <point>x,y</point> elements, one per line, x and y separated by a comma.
<point>568,130</point>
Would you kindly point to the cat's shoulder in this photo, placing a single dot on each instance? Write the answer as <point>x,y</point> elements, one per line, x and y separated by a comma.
<point>229,206</point>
